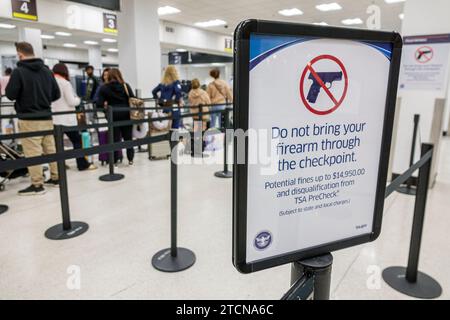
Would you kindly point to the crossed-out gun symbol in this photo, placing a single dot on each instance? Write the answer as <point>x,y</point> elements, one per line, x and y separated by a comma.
<point>422,53</point>
<point>327,78</point>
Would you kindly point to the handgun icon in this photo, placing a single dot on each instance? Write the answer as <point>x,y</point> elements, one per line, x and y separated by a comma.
<point>422,53</point>
<point>327,78</point>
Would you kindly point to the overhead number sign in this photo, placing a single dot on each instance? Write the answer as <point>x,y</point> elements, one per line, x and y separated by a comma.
<point>317,112</point>
<point>24,9</point>
<point>110,23</point>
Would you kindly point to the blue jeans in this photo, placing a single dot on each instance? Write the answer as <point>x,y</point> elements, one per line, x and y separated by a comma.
<point>216,117</point>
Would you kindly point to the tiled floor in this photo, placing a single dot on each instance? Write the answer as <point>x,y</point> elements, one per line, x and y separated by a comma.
<point>129,222</point>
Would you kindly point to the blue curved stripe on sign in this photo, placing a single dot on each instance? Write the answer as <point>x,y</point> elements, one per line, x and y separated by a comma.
<point>263,46</point>
<point>384,48</point>
<point>257,60</point>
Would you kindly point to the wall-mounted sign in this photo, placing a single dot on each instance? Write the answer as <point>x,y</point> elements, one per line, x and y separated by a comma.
<point>425,63</point>
<point>229,45</point>
<point>317,107</point>
<point>110,23</point>
<point>24,9</point>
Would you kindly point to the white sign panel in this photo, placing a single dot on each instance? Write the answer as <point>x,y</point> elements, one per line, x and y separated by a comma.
<point>425,63</point>
<point>322,105</point>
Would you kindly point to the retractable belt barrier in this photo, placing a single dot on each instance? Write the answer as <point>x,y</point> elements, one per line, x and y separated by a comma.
<point>310,279</point>
<point>410,280</point>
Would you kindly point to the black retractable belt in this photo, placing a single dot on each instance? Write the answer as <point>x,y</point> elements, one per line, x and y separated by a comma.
<point>225,174</point>
<point>111,177</point>
<point>67,229</point>
<point>173,259</point>
<point>410,280</point>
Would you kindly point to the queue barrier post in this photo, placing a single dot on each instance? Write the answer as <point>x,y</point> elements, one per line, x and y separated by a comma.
<point>226,173</point>
<point>173,259</point>
<point>409,189</point>
<point>410,280</point>
<point>3,209</point>
<point>68,229</point>
<point>311,279</point>
<point>196,138</point>
<point>112,176</point>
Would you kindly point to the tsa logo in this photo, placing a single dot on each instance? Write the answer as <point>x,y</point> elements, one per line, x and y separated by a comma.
<point>263,240</point>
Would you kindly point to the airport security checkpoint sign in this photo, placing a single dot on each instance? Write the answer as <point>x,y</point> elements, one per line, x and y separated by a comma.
<point>425,63</point>
<point>322,110</point>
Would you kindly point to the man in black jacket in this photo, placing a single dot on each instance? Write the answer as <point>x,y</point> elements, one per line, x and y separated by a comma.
<point>34,88</point>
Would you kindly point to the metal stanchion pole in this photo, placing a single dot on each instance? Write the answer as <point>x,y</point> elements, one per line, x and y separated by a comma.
<point>409,190</point>
<point>174,259</point>
<point>319,270</point>
<point>225,174</point>
<point>410,280</point>
<point>67,229</point>
<point>111,177</point>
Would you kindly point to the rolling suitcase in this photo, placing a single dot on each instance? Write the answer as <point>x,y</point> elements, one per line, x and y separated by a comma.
<point>104,157</point>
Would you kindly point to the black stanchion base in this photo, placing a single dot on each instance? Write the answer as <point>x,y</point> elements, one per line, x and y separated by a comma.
<point>224,174</point>
<point>112,177</point>
<point>408,191</point>
<point>163,260</point>
<point>425,287</point>
<point>3,209</point>
<point>58,233</point>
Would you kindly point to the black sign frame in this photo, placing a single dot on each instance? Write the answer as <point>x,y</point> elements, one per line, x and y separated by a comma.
<point>241,121</point>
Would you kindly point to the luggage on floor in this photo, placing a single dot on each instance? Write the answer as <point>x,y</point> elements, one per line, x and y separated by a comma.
<point>159,150</point>
<point>104,157</point>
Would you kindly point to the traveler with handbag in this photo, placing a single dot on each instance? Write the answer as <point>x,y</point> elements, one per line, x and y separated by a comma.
<point>68,102</point>
<point>220,93</point>
<point>170,93</point>
<point>118,94</point>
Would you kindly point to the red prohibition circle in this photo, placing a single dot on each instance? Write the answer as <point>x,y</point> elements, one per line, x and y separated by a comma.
<point>302,80</point>
<point>419,50</point>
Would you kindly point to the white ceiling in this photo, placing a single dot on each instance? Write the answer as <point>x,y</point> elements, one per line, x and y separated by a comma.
<point>78,37</point>
<point>234,11</point>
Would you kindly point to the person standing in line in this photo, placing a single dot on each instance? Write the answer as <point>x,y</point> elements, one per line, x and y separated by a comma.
<point>170,93</point>
<point>33,88</point>
<point>68,102</point>
<point>220,93</point>
<point>198,98</point>
<point>103,81</point>
<point>117,93</point>
<point>91,84</point>
<point>4,81</point>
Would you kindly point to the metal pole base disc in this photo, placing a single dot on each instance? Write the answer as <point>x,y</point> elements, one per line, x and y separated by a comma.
<point>112,177</point>
<point>224,174</point>
<point>163,260</point>
<point>3,209</point>
<point>58,233</point>
<point>425,287</point>
<point>408,191</point>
